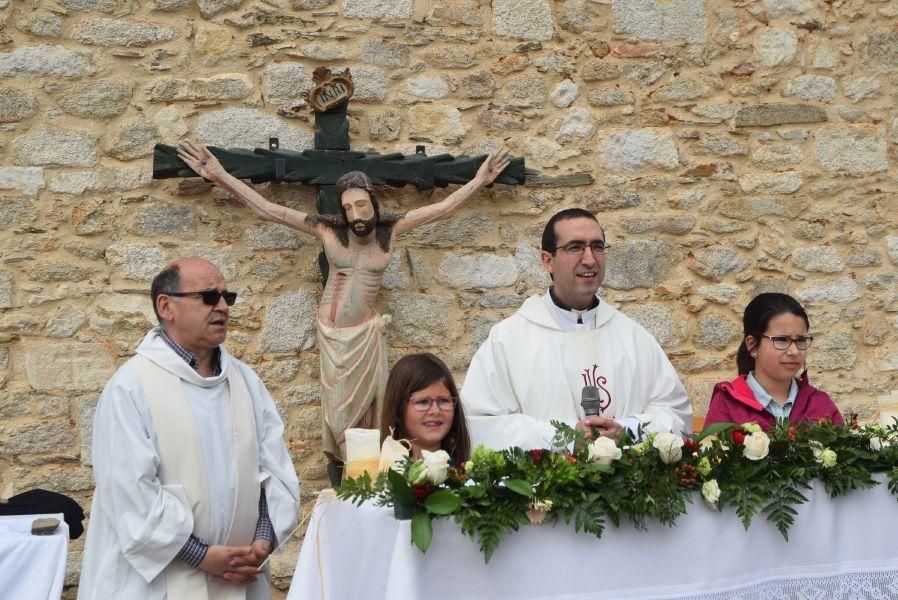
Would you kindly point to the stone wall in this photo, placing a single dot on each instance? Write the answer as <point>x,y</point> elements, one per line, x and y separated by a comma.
<point>728,147</point>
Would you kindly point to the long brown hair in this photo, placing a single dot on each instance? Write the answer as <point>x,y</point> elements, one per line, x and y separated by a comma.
<point>410,374</point>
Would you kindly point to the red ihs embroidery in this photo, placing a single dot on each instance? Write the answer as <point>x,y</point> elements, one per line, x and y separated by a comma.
<point>590,378</point>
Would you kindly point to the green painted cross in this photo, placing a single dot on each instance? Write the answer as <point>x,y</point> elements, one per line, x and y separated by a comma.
<point>330,159</point>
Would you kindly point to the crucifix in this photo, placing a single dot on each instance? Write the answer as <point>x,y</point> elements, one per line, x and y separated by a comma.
<point>357,239</point>
<point>331,157</point>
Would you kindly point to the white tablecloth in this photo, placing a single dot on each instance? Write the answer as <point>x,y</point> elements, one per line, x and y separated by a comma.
<point>842,548</point>
<point>32,567</point>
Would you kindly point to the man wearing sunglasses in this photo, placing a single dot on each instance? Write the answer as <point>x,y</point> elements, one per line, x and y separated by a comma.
<point>534,366</point>
<point>194,485</point>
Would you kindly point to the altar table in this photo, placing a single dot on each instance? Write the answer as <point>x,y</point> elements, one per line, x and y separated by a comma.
<point>32,567</point>
<point>841,548</point>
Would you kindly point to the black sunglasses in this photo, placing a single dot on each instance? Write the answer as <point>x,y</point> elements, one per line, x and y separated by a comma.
<point>210,297</point>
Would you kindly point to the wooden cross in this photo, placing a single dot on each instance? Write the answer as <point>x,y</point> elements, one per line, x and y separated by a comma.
<point>331,157</point>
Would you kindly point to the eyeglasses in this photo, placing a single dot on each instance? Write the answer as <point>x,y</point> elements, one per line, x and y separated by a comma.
<point>424,404</point>
<point>578,248</point>
<point>782,342</point>
<point>210,297</point>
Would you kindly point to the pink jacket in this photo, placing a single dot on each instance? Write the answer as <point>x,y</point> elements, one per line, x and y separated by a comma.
<point>733,401</point>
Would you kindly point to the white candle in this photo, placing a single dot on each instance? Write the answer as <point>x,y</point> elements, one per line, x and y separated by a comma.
<point>362,452</point>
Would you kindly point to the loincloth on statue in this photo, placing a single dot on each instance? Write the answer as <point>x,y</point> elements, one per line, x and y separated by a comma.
<point>353,378</point>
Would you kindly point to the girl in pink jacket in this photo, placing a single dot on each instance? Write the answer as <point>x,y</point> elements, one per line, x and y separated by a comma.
<point>772,354</point>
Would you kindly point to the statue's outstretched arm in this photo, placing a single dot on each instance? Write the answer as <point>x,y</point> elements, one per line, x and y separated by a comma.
<point>204,163</point>
<point>491,168</point>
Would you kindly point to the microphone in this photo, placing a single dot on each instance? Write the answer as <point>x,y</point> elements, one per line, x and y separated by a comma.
<point>590,400</point>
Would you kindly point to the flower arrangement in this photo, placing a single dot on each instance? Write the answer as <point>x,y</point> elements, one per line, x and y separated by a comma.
<point>736,466</point>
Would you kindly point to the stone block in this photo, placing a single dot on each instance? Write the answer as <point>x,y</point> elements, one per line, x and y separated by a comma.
<point>384,54</point>
<point>574,124</point>
<point>115,313</point>
<point>24,180</point>
<point>715,262</point>
<point>70,368</point>
<point>777,157</point>
<point>765,115</point>
<point>565,93</point>
<point>378,10</point>
<point>882,50</point>
<point>225,86</point>
<point>249,128</point>
<point>751,209</point>
<point>101,6</point>
<point>100,99</point>
<point>43,146</point>
<point>892,246</point>
<point>479,84</point>
<point>465,230</point>
<point>661,20</point>
<point>137,262</point>
<point>285,83</point>
<point>323,51</point>
<point>681,90</point>
<point>812,87</point>
<point>721,293</point>
<point>547,153</point>
<point>833,350</point>
<point>436,122</point>
<point>272,236</point>
<point>16,105</point>
<point>210,8</point>
<point>787,182</point>
<point>427,87</point>
<point>818,259</point>
<point>609,97</point>
<point>65,322</point>
<point>774,46</point>
<point>716,331</point>
<point>783,9</point>
<point>45,61</point>
<point>28,404</point>
<point>132,139</point>
<point>132,33</point>
<point>839,291</point>
<point>523,19</point>
<point>59,271</point>
<point>425,320</point>
<point>861,88</point>
<point>6,290</point>
<point>384,126</point>
<point>660,321</point>
<point>855,149</point>
<point>529,262</point>
<point>370,84</point>
<point>674,225</point>
<point>599,70</point>
<point>480,271</point>
<point>164,219</point>
<point>525,91</point>
<point>100,180</point>
<point>56,436</point>
<point>289,324</point>
<point>633,149</point>
<point>40,24</point>
<point>639,264</point>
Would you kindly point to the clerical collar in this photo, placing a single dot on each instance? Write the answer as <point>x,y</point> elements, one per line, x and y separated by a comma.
<point>563,306</point>
<point>571,319</point>
<point>188,356</point>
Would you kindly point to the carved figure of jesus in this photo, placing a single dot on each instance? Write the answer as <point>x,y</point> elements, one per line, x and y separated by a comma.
<point>358,247</point>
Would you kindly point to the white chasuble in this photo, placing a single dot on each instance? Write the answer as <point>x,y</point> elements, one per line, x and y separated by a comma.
<point>530,371</point>
<point>182,464</point>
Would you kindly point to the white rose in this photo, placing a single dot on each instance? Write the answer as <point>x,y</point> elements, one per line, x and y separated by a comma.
<point>670,447</point>
<point>711,493</point>
<point>828,458</point>
<point>757,446</point>
<point>604,451</point>
<point>875,444</point>
<point>436,465</point>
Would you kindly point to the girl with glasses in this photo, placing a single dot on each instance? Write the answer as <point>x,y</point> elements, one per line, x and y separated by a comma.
<point>772,354</point>
<point>421,405</point>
